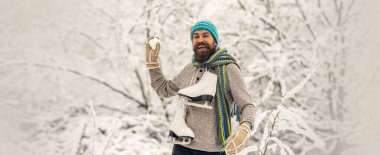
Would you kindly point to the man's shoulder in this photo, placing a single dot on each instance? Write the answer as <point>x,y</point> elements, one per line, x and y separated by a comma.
<point>188,66</point>
<point>232,66</point>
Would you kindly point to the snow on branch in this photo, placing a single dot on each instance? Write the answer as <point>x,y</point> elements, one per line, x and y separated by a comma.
<point>293,121</point>
<point>258,119</point>
<point>282,119</point>
<point>283,147</point>
<point>298,88</point>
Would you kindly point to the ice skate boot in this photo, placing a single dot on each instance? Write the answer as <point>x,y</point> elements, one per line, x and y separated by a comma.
<point>202,91</point>
<point>179,132</point>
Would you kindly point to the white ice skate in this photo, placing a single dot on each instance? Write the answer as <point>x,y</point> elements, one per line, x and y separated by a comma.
<point>179,132</point>
<point>201,93</point>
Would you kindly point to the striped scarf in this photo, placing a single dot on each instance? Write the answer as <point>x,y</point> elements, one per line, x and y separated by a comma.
<point>219,61</point>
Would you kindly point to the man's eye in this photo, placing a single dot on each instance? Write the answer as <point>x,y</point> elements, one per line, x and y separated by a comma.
<point>196,37</point>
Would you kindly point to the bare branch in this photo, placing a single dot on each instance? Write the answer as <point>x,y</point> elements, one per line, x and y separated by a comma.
<point>114,129</point>
<point>325,17</point>
<point>148,12</point>
<point>87,36</point>
<point>272,26</point>
<point>268,6</point>
<point>102,11</point>
<point>113,19</point>
<point>91,39</point>
<point>118,77</point>
<point>142,88</point>
<point>241,5</point>
<point>350,15</point>
<point>271,132</point>
<point>82,136</point>
<point>305,19</point>
<point>93,116</point>
<point>94,79</point>
<point>261,51</point>
<point>338,10</point>
<point>266,22</point>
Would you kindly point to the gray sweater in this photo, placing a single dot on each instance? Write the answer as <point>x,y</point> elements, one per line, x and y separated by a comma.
<point>200,120</point>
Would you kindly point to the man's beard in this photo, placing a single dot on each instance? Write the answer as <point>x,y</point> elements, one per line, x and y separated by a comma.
<point>202,55</point>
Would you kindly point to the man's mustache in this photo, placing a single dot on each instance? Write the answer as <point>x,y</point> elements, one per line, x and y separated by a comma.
<point>202,43</point>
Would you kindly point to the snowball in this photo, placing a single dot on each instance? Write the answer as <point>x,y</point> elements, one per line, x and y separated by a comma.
<point>153,42</point>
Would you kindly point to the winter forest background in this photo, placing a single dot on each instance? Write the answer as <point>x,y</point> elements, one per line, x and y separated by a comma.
<point>73,79</point>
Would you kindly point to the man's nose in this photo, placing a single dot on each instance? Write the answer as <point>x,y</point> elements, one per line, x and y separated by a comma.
<point>201,40</point>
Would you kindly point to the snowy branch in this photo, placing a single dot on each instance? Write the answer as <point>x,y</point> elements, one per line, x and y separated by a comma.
<point>263,152</point>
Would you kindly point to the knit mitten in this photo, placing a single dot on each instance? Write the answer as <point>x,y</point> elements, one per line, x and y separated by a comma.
<point>152,51</point>
<point>236,142</point>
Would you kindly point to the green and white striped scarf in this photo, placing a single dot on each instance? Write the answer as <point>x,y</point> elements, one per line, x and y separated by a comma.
<point>219,61</point>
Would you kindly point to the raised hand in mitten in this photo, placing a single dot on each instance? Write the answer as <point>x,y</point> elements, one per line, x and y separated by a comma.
<point>152,51</point>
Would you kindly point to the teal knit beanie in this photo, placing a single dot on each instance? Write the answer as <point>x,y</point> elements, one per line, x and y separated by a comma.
<point>205,25</point>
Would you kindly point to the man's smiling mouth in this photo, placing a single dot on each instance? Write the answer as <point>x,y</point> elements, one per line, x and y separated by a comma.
<point>201,46</point>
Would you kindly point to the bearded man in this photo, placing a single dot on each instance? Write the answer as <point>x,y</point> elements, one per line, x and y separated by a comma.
<point>210,124</point>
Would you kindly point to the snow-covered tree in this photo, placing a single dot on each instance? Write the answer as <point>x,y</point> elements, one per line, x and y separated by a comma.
<point>81,73</point>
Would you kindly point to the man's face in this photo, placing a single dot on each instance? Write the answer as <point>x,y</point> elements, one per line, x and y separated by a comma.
<point>203,45</point>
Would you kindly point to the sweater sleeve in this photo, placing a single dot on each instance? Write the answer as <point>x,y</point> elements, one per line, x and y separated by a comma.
<point>240,95</point>
<point>166,88</point>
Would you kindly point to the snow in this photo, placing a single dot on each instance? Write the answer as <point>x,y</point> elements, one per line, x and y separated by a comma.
<point>153,43</point>
<point>298,88</point>
<point>74,80</point>
<point>258,119</point>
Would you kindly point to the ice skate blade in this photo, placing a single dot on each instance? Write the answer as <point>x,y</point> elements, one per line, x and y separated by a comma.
<point>205,105</point>
<point>197,98</point>
<point>172,141</point>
